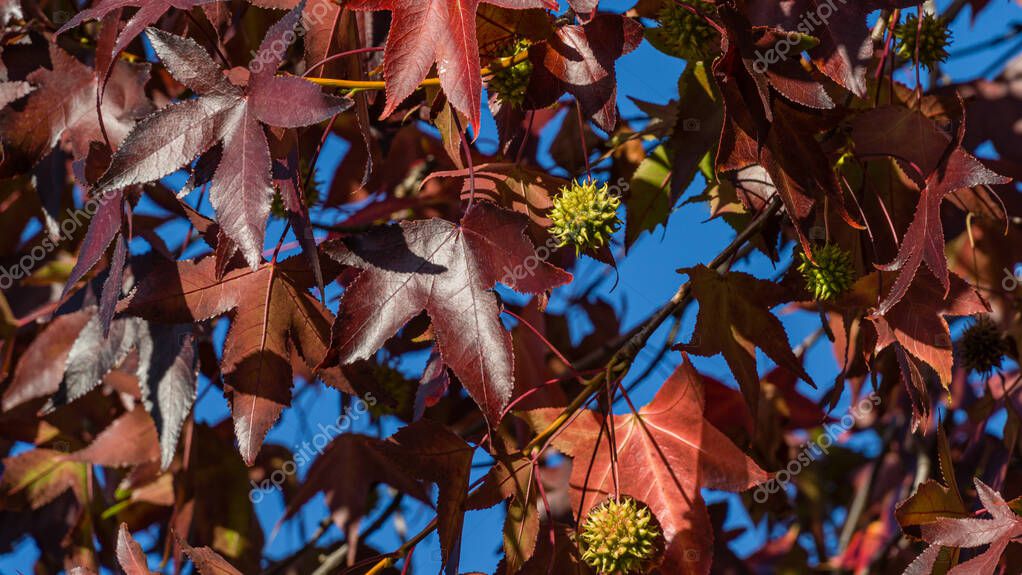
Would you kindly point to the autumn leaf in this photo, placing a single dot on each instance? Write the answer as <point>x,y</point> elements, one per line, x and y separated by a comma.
<point>208,561</point>
<point>941,167</point>
<point>845,48</point>
<point>129,440</point>
<point>734,319</point>
<point>149,12</point>
<point>230,109</point>
<point>62,109</point>
<point>424,32</point>
<point>665,454</point>
<point>1003,527</point>
<point>917,322</point>
<point>130,554</point>
<point>431,452</point>
<point>513,187</point>
<point>346,471</point>
<point>580,60</point>
<point>447,270</point>
<point>41,367</point>
<point>273,312</point>
<point>40,475</point>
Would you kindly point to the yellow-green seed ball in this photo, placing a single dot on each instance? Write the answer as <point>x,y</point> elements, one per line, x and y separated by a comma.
<point>686,34</point>
<point>510,84</point>
<point>621,537</point>
<point>584,215</point>
<point>932,37</point>
<point>831,275</point>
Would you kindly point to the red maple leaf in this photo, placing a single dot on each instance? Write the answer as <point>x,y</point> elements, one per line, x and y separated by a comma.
<point>665,454</point>
<point>940,166</point>
<point>1003,527</point>
<point>581,60</point>
<point>424,32</point>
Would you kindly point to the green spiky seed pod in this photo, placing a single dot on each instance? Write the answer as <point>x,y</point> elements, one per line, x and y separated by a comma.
<point>831,276</point>
<point>684,33</point>
<point>933,39</point>
<point>621,537</point>
<point>509,84</point>
<point>398,387</point>
<point>584,215</point>
<point>982,347</point>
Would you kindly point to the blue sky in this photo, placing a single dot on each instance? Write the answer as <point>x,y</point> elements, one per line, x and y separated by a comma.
<point>646,279</point>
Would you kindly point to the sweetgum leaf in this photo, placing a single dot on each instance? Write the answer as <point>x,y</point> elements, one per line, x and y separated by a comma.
<point>845,51</point>
<point>273,312</point>
<point>62,109</point>
<point>513,187</point>
<point>208,561</point>
<point>917,322</point>
<point>1003,527</point>
<point>734,319</point>
<point>424,32</point>
<point>433,453</point>
<point>92,356</point>
<point>40,368</point>
<point>166,378</point>
<point>130,554</point>
<point>665,454</point>
<point>941,166</point>
<point>149,12</point>
<point>129,440</point>
<point>346,472</point>
<point>447,270</point>
<point>580,60</point>
<point>241,186</point>
<point>40,475</point>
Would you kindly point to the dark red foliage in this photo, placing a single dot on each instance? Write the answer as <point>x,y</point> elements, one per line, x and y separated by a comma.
<point>432,289</point>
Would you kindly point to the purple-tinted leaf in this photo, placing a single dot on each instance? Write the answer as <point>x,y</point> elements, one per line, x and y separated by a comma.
<point>112,285</point>
<point>166,378</point>
<point>274,98</point>
<point>130,554</point>
<point>41,366</point>
<point>104,227</point>
<point>448,271</point>
<point>92,356</point>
